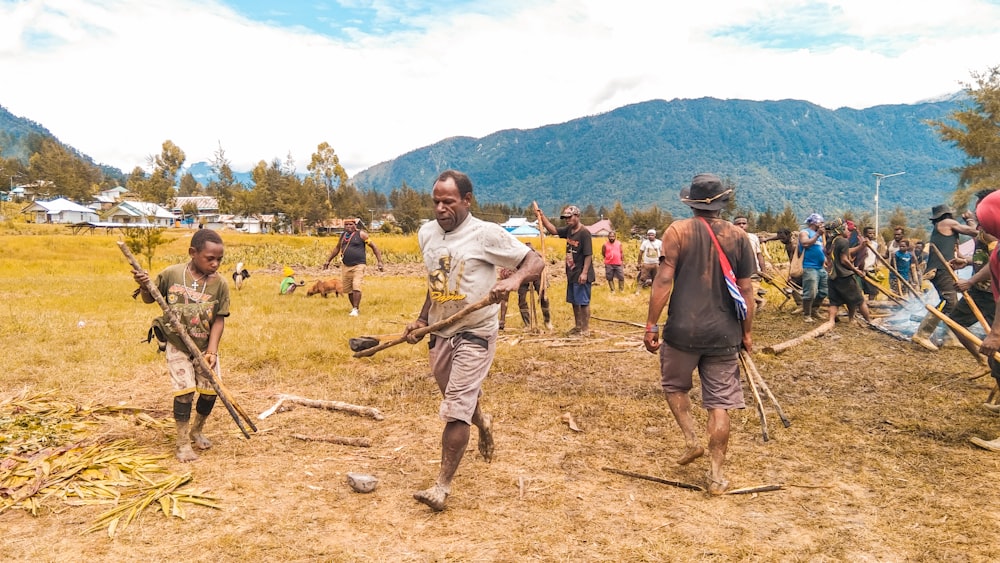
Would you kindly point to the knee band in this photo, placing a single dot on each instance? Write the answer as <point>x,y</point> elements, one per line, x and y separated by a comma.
<point>182,410</point>
<point>205,404</point>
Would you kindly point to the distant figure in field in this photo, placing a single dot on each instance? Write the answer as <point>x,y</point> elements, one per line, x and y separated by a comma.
<point>352,243</point>
<point>649,259</point>
<point>614,269</point>
<point>288,284</point>
<point>201,299</point>
<point>815,281</point>
<point>579,266</point>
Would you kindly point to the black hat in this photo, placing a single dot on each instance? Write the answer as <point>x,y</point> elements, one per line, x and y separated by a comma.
<point>938,210</point>
<point>706,192</point>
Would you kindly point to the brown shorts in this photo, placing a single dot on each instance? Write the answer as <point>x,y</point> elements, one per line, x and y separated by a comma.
<point>720,377</point>
<point>459,365</point>
<point>183,376</point>
<point>352,277</point>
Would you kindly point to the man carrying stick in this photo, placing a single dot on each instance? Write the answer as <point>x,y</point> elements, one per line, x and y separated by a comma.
<point>462,254</point>
<point>200,297</point>
<point>709,319</point>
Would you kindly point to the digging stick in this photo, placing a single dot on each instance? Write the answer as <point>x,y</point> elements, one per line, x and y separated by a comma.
<point>748,362</point>
<point>543,284</point>
<point>197,358</point>
<point>892,296</point>
<point>653,479</point>
<point>756,398</point>
<point>421,332</point>
<point>965,294</point>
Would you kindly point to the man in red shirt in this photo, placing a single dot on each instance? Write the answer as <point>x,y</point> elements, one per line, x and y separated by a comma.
<point>613,267</point>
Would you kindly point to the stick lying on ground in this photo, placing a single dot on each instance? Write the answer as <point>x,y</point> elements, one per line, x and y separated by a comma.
<point>782,346</point>
<point>197,358</point>
<point>654,479</point>
<point>371,412</point>
<point>421,332</point>
<point>343,441</point>
<point>630,323</point>
<point>758,489</point>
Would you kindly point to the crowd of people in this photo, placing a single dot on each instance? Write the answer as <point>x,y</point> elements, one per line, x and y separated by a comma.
<point>704,272</point>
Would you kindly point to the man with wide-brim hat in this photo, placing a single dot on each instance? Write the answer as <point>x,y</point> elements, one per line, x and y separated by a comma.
<point>944,237</point>
<point>709,318</point>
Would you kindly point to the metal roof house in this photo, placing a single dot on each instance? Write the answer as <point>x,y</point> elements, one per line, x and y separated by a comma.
<point>140,214</point>
<point>60,210</point>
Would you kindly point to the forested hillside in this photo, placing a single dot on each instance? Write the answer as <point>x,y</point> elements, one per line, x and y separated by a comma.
<point>776,152</point>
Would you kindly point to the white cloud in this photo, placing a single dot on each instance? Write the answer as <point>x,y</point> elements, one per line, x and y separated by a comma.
<point>116,78</point>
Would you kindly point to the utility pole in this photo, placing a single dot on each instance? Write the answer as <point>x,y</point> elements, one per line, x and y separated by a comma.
<point>878,182</point>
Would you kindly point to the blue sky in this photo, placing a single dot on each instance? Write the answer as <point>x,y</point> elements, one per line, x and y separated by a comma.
<point>378,78</point>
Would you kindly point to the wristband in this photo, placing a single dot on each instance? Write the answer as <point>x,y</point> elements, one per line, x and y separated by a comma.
<point>652,328</point>
<point>422,321</point>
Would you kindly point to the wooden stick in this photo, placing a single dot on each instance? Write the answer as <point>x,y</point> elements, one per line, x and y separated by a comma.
<point>758,489</point>
<point>756,398</point>
<point>421,332</point>
<point>343,441</point>
<point>197,359</point>
<point>370,412</point>
<point>965,294</point>
<point>886,263</point>
<point>782,346</point>
<point>959,329</point>
<point>630,323</point>
<point>748,360</point>
<point>653,479</point>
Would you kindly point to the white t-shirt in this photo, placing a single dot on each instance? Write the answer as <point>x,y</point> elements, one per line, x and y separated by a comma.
<point>462,268</point>
<point>650,251</point>
<point>755,244</point>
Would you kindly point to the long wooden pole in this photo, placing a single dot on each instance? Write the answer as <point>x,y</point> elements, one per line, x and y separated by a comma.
<point>752,367</point>
<point>197,359</point>
<point>885,263</point>
<point>972,304</point>
<point>756,398</point>
<point>421,332</point>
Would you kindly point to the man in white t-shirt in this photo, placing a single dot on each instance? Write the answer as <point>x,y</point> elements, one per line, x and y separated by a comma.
<point>742,222</point>
<point>649,258</point>
<point>462,255</point>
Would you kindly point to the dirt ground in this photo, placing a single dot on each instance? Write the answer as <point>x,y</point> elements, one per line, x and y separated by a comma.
<point>876,466</point>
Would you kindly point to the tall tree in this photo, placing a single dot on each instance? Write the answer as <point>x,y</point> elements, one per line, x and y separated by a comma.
<point>189,186</point>
<point>326,169</point>
<point>975,128</point>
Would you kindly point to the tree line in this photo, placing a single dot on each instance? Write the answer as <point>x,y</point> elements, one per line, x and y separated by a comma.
<point>305,202</point>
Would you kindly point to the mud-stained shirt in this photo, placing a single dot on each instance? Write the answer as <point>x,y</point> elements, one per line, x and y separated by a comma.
<point>701,316</point>
<point>462,269</point>
<point>197,301</point>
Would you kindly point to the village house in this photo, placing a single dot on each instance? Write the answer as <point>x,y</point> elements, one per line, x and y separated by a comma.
<point>61,211</point>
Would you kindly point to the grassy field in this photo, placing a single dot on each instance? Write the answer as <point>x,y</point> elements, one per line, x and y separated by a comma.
<point>876,465</point>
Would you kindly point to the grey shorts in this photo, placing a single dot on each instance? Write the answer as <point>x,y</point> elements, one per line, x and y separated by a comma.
<point>183,377</point>
<point>459,365</point>
<point>720,377</point>
<point>614,272</point>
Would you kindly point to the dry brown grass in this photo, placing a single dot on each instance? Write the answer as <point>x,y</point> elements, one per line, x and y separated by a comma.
<point>877,463</point>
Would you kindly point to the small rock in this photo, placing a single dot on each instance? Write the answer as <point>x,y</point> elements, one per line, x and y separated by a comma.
<point>362,483</point>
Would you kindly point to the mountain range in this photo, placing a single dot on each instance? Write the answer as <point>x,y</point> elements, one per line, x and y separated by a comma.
<point>775,152</point>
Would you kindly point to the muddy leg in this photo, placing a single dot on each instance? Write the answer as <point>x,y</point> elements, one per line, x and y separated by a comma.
<point>680,406</point>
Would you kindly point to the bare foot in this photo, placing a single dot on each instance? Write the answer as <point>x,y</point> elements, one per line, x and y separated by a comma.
<point>433,497</point>
<point>486,438</point>
<point>690,454</point>
<point>185,453</point>
<point>200,441</point>
<point>716,486</point>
